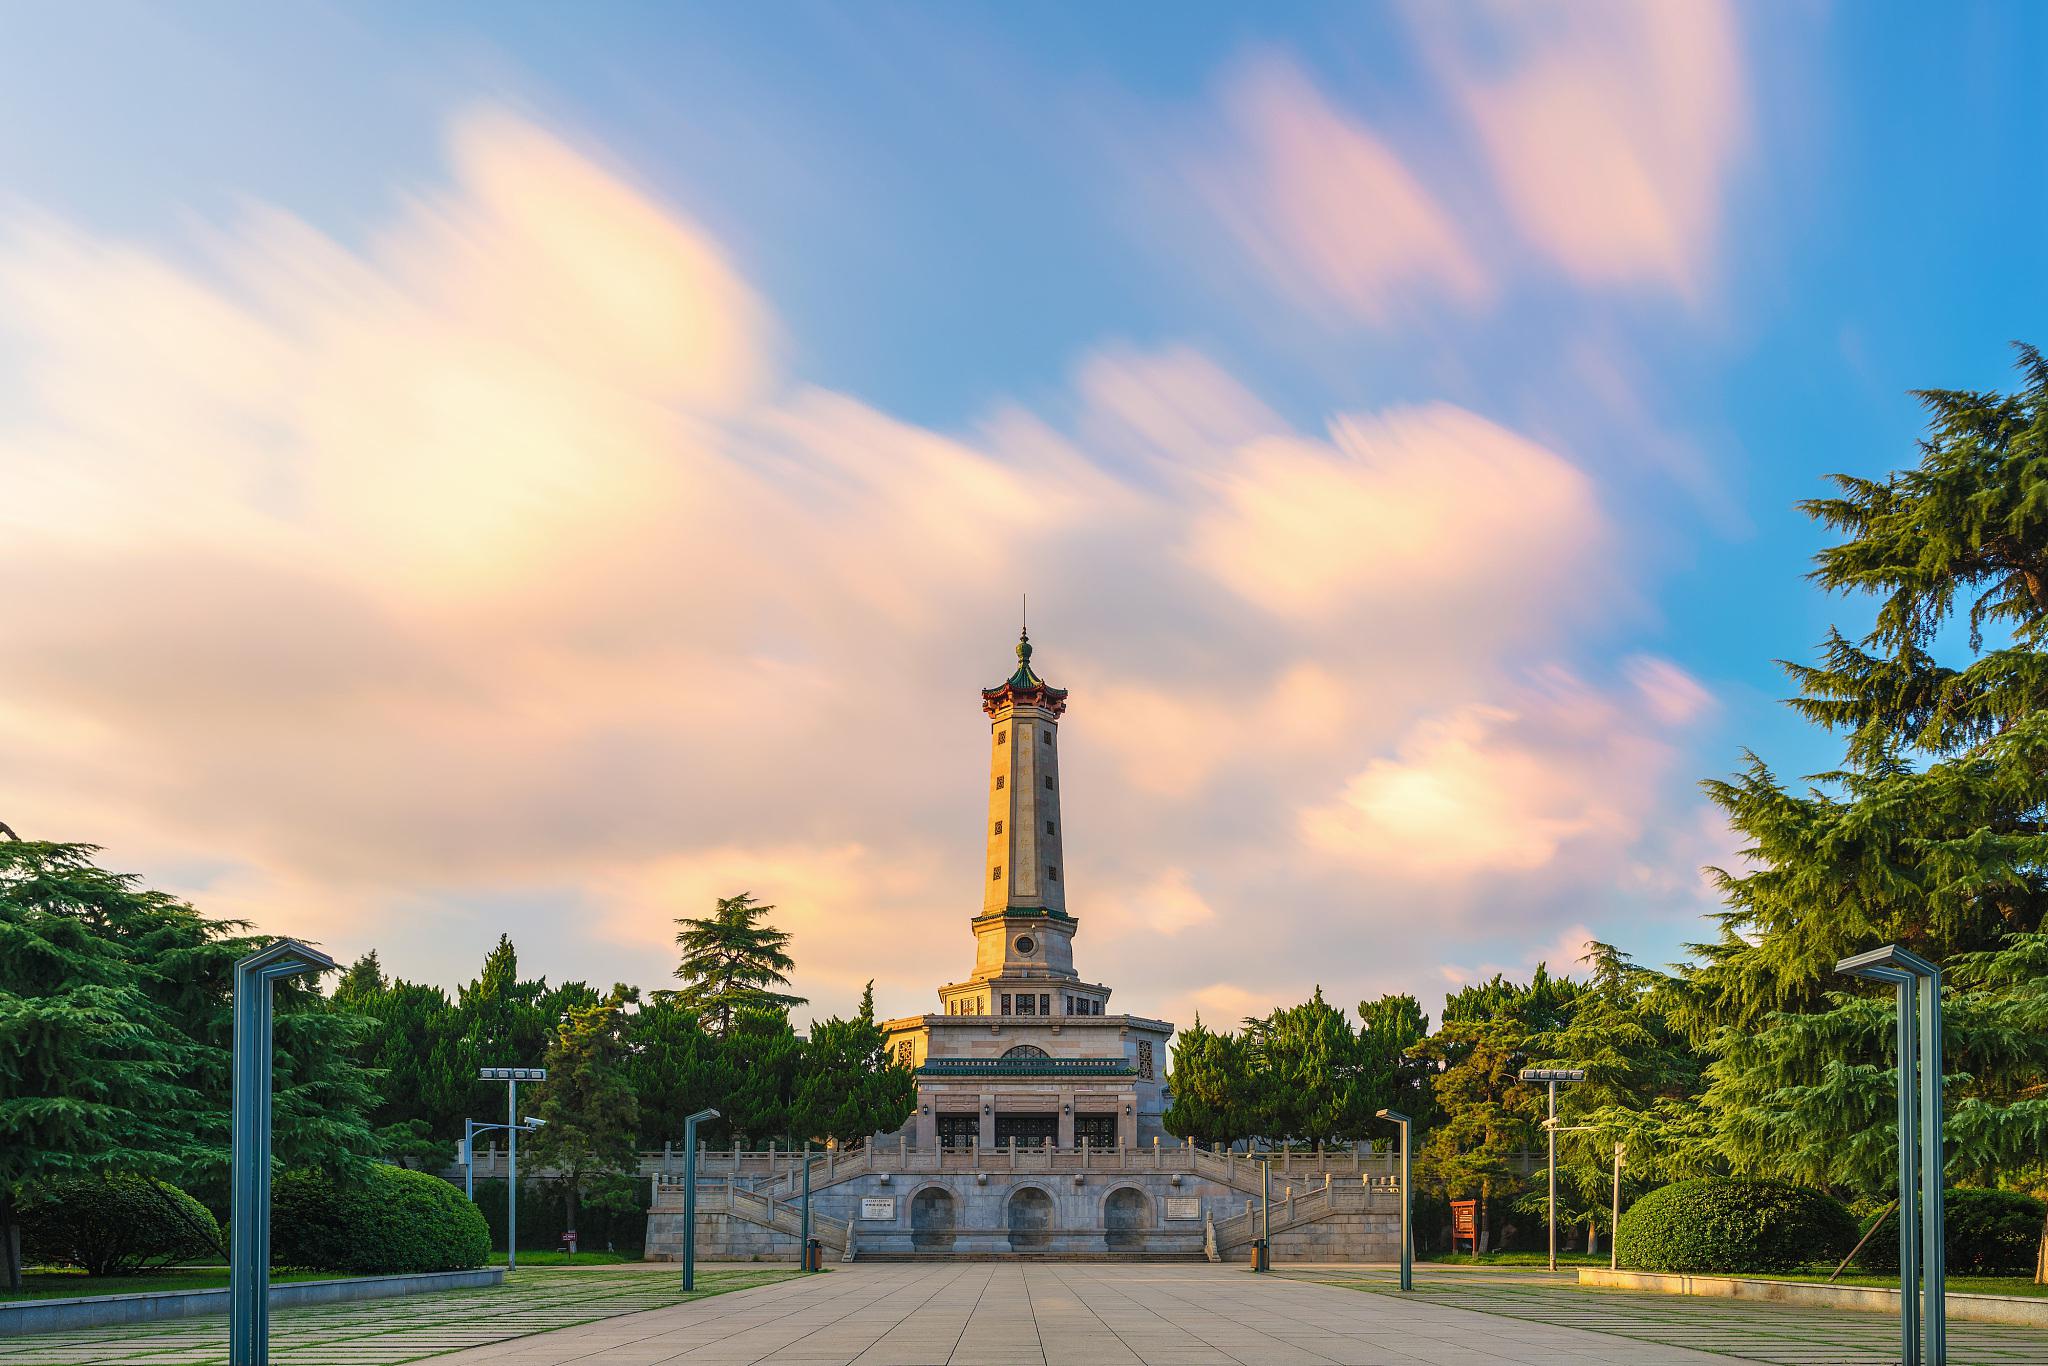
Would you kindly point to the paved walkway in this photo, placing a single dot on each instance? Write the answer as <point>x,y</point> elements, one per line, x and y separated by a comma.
<point>1067,1314</point>
<point>1782,1335</point>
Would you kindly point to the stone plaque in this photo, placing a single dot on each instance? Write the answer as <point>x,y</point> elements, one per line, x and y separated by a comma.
<point>1183,1206</point>
<point>882,1207</point>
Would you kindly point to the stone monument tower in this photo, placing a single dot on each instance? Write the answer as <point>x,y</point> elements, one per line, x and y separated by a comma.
<point>1024,1049</point>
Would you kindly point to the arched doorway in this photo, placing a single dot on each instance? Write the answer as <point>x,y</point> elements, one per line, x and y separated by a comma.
<point>931,1220</point>
<point>1030,1220</point>
<point>1125,1217</point>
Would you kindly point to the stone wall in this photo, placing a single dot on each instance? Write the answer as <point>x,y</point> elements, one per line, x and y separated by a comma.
<point>1160,1214</point>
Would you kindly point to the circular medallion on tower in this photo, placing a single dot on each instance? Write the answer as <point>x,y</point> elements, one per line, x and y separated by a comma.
<point>1025,943</point>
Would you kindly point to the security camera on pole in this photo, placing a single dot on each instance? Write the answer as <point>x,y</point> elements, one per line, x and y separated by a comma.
<point>512,1076</point>
<point>1552,1076</point>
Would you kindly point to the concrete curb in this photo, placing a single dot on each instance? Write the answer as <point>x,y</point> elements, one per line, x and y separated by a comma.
<point>103,1311</point>
<point>2018,1310</point>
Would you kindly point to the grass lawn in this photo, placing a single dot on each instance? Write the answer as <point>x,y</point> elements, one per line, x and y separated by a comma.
<point>556,1257</point>
<point>1957,1285</point>
<point>1514,1259</point>
<point>57,1285</point>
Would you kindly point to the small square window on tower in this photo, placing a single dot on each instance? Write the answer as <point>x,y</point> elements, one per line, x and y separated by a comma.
<point>1049,828</point>
<point>1052,874</point>
<point>995,874</point>
<point>1046,736</point>
<point>1002,737</point>
<point>1048,782</point>
<point>999,782</point>
<point>999,827</point>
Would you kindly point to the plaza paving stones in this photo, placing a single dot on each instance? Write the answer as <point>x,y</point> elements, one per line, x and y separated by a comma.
<point>1779,1334</point>
<point>1051,1314</point>
<point>1070,1313</point>
<point>393,1331</point>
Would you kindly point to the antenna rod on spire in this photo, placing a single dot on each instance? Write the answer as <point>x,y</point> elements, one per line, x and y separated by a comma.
<point>1026,630</point>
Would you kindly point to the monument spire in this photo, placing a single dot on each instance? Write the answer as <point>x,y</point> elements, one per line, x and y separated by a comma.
<point>1024,831</point>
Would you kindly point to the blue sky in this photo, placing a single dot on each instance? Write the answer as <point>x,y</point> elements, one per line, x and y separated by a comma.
<point>1647,278</point>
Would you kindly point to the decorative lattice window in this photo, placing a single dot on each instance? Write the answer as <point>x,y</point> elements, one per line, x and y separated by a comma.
<point>1026,1050</point>
<point>905,1051</point>
<point>999,827</point>
<point>999,782</point>
<point>995,874</point>
<point>1145,1059</point>
<point>1002,737</point>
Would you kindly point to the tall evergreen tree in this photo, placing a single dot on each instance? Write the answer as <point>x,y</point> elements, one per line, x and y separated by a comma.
<point>587,1101</point>
<point>92,1066</point>
<point>1930,836</point>
<point>731,959</point>
<point>849,1086</point>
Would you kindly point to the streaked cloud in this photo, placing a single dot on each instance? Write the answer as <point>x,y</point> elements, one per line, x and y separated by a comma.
<point>1610,129</point>
<point>503,559</point>
<point>1336,219</point>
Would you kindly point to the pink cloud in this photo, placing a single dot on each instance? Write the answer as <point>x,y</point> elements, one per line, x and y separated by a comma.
<point>1328,211</point>
<point>1560,774</point>
<point>503,559</point>
<point>1609,128</point>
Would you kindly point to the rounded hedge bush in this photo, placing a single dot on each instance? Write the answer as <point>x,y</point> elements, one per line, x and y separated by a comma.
<point>1726,1224</point>
<point>376,1221</point>
<point>114,1225</point>
<point>1986,1233</point>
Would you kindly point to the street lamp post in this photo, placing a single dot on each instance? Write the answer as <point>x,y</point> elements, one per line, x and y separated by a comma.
<point>1614,1223</point>
<point>804,1252</point>
<point>690,1197</point>
<point>1552,1076</point>
<point>470,1129</point>
<point>249,1153</point>
<point>512,1076</point>
<point>1922,1253</point>
<point>1407,1228</point>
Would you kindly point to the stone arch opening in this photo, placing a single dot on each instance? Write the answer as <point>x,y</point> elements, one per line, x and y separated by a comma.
<point>1030,1220</point>
<point>1125,1217</point>
<point>933,1219</point>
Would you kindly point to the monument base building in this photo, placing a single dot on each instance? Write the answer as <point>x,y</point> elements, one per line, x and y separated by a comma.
<point>1037,1129</point>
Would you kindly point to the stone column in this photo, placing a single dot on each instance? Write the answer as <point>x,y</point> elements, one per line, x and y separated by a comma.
<point>988,1119</point>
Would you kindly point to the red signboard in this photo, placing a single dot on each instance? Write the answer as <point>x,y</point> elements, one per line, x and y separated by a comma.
<point>1465,1224</point>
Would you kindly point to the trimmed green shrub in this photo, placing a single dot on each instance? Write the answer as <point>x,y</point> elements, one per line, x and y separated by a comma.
<point>1726,1224</point>
<point>115,1225</point>
<point>377,1221</point>
<point>1986,1232</point>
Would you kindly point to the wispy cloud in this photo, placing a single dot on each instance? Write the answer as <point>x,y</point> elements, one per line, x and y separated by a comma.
<point>1332,214</point>
<point>1609,128</point>
<point>359,587</point>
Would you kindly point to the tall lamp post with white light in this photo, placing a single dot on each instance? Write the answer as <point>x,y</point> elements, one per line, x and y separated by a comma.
<point>512,1076</point>
<point>690,1196</point>
<point>1552,1076</point>
<point>256,978</point>
<point>1922,1251</point>
<point>1407,1226</point>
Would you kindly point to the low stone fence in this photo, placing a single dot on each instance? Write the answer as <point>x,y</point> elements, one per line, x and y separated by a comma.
<point>102,1311</point>
<point>2020,1310</point>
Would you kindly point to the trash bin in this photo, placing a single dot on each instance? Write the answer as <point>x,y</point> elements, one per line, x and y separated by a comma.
<point>1261,1260</point>
<point>814,1255</point>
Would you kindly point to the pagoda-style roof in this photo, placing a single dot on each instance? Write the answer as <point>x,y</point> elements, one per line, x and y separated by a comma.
<point>1024,687</point>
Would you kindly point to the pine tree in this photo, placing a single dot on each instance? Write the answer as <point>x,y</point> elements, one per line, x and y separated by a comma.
<point>1214,1098</point>
<point>849,1087</point>
<point>91,1065</point>
<point>587,1101</point>
<point>1930,836</point>
<point>730,960</point>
